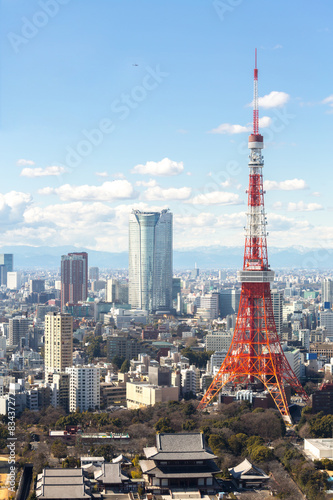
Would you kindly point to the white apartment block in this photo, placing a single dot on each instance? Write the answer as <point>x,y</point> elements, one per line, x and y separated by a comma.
<point>190,380</point>
<point>84,388</point>
<point>294,360</point>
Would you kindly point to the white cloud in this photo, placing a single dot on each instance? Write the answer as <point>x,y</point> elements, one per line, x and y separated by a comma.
<point>158,193</point>
<point>102,174</point>
<point>12,206</point>
<point>42,172</point>
<point>234,221</point>
<point>300,206</point>
<point>228,128</point>
<point>277,46</point>
<point>164,167</point>
<point>328,100</point>
<point>278,205</point>
<point>108,191</point>
<point>203,219</point>
<point>316,193</point>
<point>22,162</point>
<point>273,100</point>
<point>216,198</point>
<point>119,175</point>
<point>265,121</point>
<point>288,185</point>
<point>150,183</point>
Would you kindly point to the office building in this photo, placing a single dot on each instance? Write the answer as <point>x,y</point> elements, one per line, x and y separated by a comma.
<point>58,341</point>
<point>116,292</point>
<point>228,301</point>
<point>94,273</point>
<point>13,280</point>
<point>18,329</point>
<point>150,260</point>
<point>74,278</point>
<point>210,302</point>
<point>84,388</point>
<point>327,291</point>
<point>37,286</point>
<point>326,321</point>
<point>218,341</point>
<point>6,265</point>
<point>277,300</point>
<point>143,394</point>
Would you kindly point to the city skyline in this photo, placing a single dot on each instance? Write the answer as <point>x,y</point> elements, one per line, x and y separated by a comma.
<point>136,124</point>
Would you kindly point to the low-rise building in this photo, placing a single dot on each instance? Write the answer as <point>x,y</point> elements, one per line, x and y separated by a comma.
<point>142,394</point>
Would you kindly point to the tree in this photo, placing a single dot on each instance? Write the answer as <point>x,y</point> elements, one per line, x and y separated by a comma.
<point>164,425</point>
<point>125,366</point>
<point>70,463</point>
<point>188,425</point>
<point>117,361</point>
<point>237,443</point>
<point>59,449</point>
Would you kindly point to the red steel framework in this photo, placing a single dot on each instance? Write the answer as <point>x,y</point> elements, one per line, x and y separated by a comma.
<point>255,351</point>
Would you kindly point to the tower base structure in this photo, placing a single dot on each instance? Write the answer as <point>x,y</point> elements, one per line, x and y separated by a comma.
<point>255,351</point>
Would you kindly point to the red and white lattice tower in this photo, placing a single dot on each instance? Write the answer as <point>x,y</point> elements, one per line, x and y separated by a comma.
<point>255,351</point>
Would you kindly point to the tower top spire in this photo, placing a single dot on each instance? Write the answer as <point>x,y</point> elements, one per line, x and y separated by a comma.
<point>255,137</point>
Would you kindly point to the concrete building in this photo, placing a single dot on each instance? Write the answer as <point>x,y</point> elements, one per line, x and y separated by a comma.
<point>14,280</point>
<point>319,448</point>
<point>229,301</point>
<point>94,273</point>
<point>122,346</point>
<point>84,388</point>
<point>58,341</point>
<point>17,329</point>
<point>60,385</point>
<point>190,380</point>
<point>116,292</point>
<point>216,361</point>
<point>294,359</point>
<point>210,302</point>
<point>218,341</point>
<point>74,278</point>
<point>150,260</point>
<point>326,321</point>
<point>142,394</point>
<point>277,301</point>
<point>327,291</point>
<point>36,286</point>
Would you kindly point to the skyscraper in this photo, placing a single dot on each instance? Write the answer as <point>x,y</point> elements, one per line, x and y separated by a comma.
<point>327,291</point>
<point>18,329</point>
<point>58,341</point>
<point>150,260</point>
<point>6,265</point>
<point>277,301</point>
<point>84,388</point>
<point>74,278</point>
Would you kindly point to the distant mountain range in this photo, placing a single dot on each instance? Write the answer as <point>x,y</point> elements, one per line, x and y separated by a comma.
<point>217,257</point>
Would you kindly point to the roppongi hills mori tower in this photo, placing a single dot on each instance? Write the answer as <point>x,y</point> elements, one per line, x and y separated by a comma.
<point>150,260</point>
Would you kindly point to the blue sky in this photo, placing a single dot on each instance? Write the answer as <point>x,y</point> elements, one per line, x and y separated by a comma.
<point>109,105</point>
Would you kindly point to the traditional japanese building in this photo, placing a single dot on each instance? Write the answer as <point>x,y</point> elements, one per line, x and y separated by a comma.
<point>179,461</point>
<point>248,475</point>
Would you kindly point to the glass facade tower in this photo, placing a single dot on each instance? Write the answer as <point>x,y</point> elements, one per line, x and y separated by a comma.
<point>150,260</point>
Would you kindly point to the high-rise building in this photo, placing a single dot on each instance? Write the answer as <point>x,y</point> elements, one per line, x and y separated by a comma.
<point>6,265</point>
<point>116,292</point>
<point>18,329</point>
<point>94,273</point>
<point>150,260</point>
<point>37,286</point>
<point>277,300</point>
<point>327,291</point>
<point>84,388</point>
<point>229,301</point>
<point>58,341</point>
<point>74,278</point>
<point>13,280</point>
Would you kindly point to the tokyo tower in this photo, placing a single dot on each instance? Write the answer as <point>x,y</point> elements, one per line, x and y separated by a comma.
<point>255,351</point>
